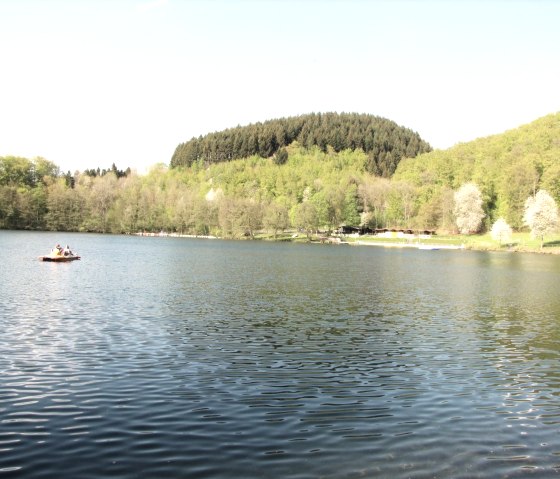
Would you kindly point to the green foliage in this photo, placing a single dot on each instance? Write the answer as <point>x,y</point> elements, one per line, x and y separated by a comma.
<point>281,156</point>
<point>310,184</point>
<point>102,172</point>
<point>17,171</point>
<point>276,218</point>
<point>384,142</point>
<point>305,217</point>
<point>507,168</point>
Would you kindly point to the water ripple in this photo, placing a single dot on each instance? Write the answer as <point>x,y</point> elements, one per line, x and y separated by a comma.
<point>253,360</point>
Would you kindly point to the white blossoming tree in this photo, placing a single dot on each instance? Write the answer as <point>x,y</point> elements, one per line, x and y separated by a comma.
<point>541,215</point>
<point>501,231</point>
<point>468,209</point>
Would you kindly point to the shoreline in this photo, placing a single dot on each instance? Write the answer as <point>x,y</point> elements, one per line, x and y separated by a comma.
<point>427,246</point>
<point>467,247</point>
<point>421,246</point>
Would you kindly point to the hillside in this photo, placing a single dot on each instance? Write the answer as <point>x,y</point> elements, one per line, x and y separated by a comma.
<point>301,188</point>
<point>507,168</point>
<point>384,142</point>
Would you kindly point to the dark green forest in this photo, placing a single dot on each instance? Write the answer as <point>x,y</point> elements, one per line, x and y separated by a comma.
<point>305,187</point>
<point>384,142</point>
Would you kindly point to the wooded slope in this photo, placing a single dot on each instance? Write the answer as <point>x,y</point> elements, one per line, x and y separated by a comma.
<point>308,190</point>
<point>384,142</point>
<point>507,168</point>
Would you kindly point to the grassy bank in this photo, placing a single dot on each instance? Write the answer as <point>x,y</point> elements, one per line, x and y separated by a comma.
<point>522,242</point>
<point>519,242</point>
<point>484,242</point>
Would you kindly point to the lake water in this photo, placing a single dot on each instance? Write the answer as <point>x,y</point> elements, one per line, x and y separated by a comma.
<point>185,358</point>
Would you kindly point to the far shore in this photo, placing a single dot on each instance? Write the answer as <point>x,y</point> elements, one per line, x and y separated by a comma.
<point>426,246</point>
<point>519,243</point>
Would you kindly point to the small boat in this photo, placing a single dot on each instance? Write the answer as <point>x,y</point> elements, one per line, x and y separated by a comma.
<point>60,255</point>
<point>59,258</point>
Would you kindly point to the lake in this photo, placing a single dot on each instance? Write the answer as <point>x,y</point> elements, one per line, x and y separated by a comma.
<point>188,358</point>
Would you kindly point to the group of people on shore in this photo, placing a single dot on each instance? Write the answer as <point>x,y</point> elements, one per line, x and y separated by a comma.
<point>60,251</point>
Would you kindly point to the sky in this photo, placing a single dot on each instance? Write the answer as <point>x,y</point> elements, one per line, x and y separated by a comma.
<point>89,83</point>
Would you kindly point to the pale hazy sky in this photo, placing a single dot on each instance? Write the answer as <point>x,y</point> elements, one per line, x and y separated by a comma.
<point>85,83</point>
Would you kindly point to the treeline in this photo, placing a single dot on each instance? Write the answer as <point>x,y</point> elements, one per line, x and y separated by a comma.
<point>312,190</point>
<point>35,194</point>
<point>102,172</point>
<point>384,142</point>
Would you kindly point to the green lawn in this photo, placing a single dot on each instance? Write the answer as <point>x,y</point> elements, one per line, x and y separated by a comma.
<point>519,242</point>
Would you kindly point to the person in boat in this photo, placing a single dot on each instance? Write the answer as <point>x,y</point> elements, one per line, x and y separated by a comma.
<point>67,251</point>
<point>57,250</point>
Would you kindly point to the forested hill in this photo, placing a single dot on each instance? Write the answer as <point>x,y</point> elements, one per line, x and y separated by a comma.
<point>507,168</point>
<point>384,142</point>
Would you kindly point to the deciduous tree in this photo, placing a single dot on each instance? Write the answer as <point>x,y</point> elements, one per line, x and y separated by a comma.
<point>501,231</point>
<point>374,194</point>
<point>541,215</point>
<point>305,218</point>
<point>276,218</point>
<point>468,209</point>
